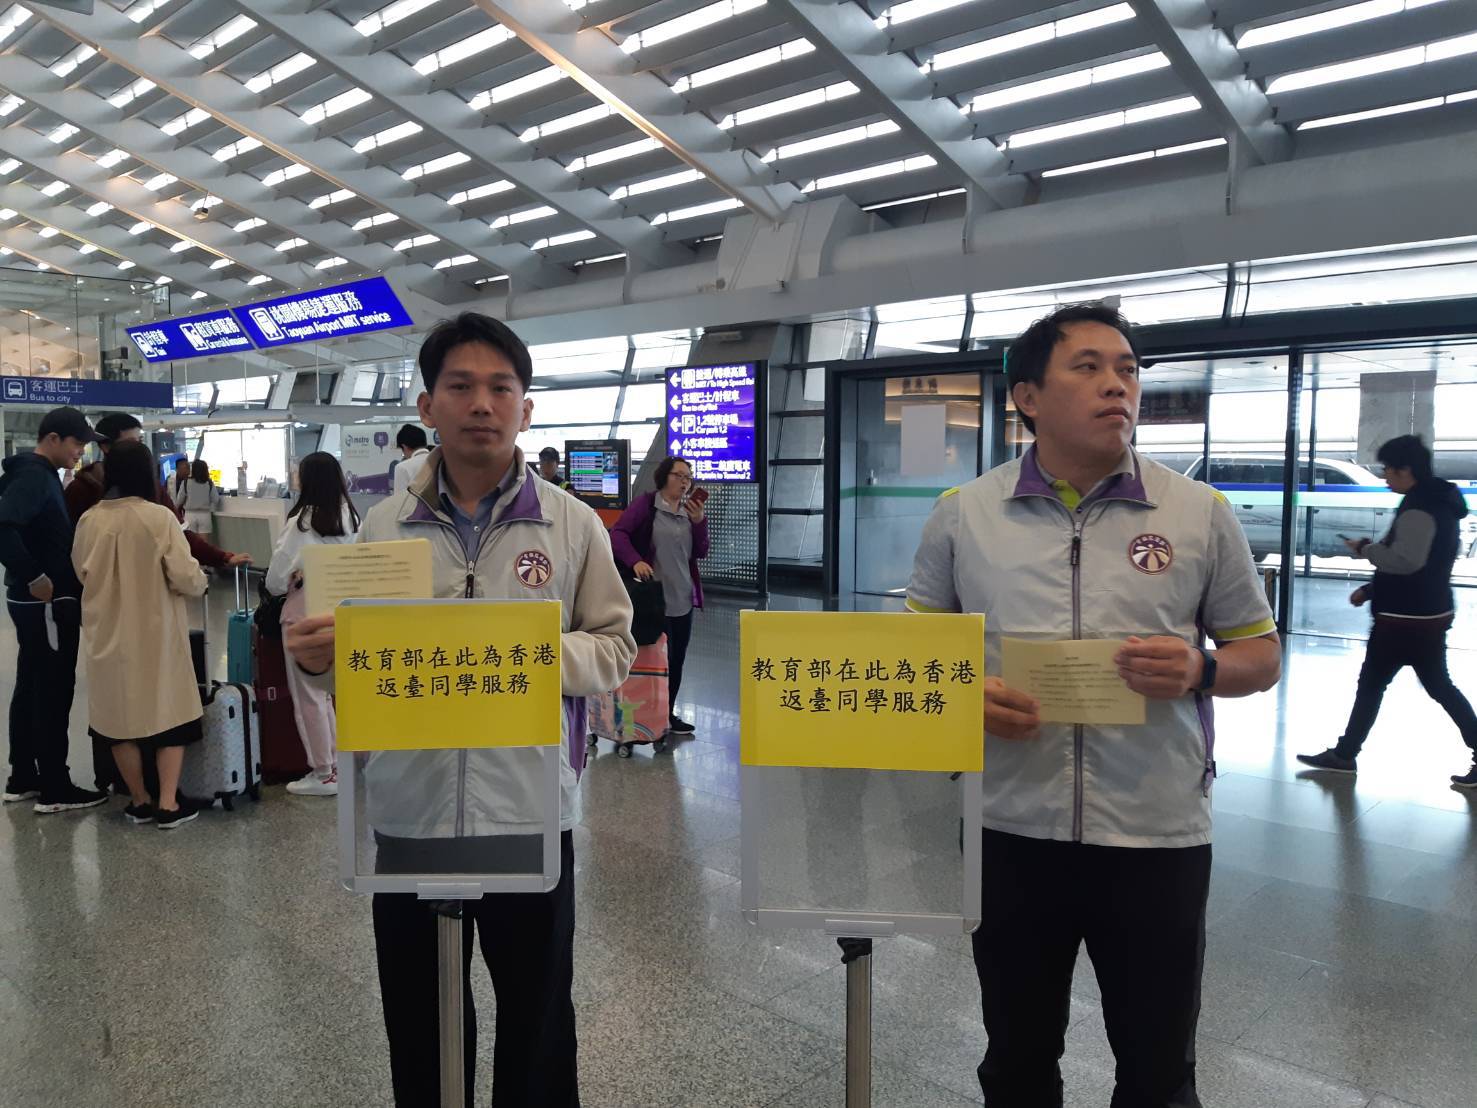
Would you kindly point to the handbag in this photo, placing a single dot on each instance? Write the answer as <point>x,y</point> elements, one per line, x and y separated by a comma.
<point>268,614</point>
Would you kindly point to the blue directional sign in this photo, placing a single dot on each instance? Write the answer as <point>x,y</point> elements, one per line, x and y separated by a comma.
<point>331,313</point>
<point>57,391</point>
<point>192,336</point>
<point>710,420</point>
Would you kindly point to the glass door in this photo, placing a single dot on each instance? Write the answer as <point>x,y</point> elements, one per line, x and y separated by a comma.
<point>913,436</point>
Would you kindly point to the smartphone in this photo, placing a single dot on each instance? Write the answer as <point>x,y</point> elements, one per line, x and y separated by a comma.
<point>698,496</point>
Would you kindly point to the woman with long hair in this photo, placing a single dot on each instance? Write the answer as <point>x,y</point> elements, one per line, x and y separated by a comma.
<point>136,572</point>
<point>323,514</point>
<point>197,498</point>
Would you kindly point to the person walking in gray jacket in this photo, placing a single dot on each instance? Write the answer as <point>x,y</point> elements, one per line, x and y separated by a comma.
<point>496,532</point>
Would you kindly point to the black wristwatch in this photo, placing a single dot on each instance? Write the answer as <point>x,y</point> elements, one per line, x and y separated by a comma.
<point>1207,674</point>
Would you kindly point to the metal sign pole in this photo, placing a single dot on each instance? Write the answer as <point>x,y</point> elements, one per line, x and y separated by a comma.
<point>856,955</point>
<point>453,1034</point>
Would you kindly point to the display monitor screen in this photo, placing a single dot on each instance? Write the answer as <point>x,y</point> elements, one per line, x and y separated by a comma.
<point>598,471</point>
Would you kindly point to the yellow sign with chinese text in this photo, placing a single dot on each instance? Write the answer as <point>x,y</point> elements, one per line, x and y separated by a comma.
<point>447,674</point>
<point>853,690</point>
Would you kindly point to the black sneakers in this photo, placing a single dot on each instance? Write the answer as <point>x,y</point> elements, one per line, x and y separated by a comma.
<point>139,813</point>
<point>17,790</point>
<point>169,820</point>
<point>69,798</point>
<point>1330,760</point>
<point>1467,780</point>
<point>680,726</point>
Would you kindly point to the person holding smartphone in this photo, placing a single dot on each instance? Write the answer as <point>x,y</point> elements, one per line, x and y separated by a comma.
<point>664,534</point>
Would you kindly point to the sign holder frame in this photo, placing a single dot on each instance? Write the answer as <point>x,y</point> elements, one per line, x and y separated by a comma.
<point>446,894</point>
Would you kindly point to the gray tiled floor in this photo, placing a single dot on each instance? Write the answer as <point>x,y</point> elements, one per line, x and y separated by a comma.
<point>223,965</point>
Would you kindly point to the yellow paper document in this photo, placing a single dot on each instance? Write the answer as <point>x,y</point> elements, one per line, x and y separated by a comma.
<point>1075,680</point>
<point>365,571</point>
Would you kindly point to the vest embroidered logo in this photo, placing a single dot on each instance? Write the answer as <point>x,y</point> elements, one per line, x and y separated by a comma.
<point>534,568</point>
<point>1150,553</point>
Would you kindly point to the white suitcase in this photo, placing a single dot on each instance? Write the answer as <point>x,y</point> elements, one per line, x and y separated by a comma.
<point>226,763</point>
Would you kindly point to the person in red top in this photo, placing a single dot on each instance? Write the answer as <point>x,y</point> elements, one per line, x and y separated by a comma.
<point>87,489</point>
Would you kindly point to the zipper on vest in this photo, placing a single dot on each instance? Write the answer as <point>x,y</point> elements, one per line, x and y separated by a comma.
<point>1077,730</point>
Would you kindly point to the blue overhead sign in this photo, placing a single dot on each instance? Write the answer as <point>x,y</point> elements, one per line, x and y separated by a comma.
<point>710,420</point>
<point>192,336</point>
<point>331,313</point>
<point>57,391</point>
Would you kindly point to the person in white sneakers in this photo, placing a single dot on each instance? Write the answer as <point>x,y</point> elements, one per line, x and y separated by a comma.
<point>323,514</point>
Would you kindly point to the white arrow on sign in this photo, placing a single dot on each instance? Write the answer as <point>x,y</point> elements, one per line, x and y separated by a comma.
<point>676,403</point>
<point>676,425</point>
<point>675,446</point>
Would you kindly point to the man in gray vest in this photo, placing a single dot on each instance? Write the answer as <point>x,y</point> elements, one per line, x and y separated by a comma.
<point>1096,833</point>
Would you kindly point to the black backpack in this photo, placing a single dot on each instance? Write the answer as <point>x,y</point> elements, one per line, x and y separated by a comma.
<point>648,608</point>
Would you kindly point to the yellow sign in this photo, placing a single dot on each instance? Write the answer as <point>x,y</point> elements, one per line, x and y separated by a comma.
<point>447,674</point>
<point>862,690</point>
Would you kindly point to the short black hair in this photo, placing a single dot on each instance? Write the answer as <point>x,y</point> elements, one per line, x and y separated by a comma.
<point>114,424</point>
<point>664,469</point>
<point>1030,353</point>
<point>548,454</point>
<point>410,435</point>
<point>473,327</point>
<point>1407,452</point>
<point>130,468</point>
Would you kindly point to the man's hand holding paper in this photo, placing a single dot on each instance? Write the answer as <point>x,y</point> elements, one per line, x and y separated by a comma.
<point>1073,680</point>
<point>1161,667</point>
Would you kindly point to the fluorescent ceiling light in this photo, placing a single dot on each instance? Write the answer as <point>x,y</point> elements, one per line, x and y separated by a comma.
<point>236,149</point>
<point>331,107</point>
<point>281,176</point>
<point>163,280</point>
<point>1380,113</point>
<point>1030,36</point>
<point>280,72</point>
<point>8,166</point>
<point>871,173</point>
<point>563,240</point>
<point>249,225</point>
<point>1067,82</point>
<point>601,258</point>
<point>159,180</point>
<point>184,121</point>
<point>655,184</point>
<point>1378,63</point>
<point>833,140</point>
<point>613,154</point>
<point>125,264</point>
<point>86,248</point>
<point>387,136</point>
<point>686,24</point>
<point>331,263</point>
<point>205,203</point>
<point>64,67</point>
<point>795,48</point>
<point>10,104</point>
<point>527,215</point>
<point>839,91</point>
<point>112,158</point>
<point>436,165</point>
<point>331,198</point>
<point>56,188</point>
<point>1107,122</point>
<point>725,205</point>
<point>390,15</point>
<point>196,295</point>
<point>60,134</point>
<point>180,247</point>
<point>99,208</point>
<point>224,34</point>
<point>43,266</point>
<point>417,241</point>
<point>12,20</point>
<point>495,35</point>
<point>145,8</point>
<point>915,9</point>
<point>448,263</point>
<point>47,232</point>
<point>1281,31</point>
<point>519,86</point>
<point>1126,159</point>
<point>490,189</point>
<point>129,93</point>
<point>287,245</point>
<point>140,227</point>
<point>375,221</point>
<point>221,263</point>
<point>259,279</point>
<point>566,123</point>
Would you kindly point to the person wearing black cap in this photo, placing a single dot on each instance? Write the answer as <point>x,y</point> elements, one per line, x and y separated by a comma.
<point>43,596</point>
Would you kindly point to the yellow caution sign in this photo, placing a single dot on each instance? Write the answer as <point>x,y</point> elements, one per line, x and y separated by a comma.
<point>447,674</point>
<point>847,690</point>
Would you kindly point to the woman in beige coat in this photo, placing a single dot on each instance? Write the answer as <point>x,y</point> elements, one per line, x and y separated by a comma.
<point>136,571</point>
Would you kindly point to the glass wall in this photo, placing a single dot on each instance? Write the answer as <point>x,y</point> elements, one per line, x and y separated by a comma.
<point>58,325</point>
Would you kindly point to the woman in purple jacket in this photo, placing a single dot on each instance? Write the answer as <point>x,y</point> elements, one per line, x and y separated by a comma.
<point>662,535</point>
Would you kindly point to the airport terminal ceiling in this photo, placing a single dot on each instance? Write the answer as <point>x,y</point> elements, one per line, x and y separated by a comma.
<point>591,168</point>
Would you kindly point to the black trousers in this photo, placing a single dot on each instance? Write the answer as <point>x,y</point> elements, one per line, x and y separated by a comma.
<point>45,679</point>
<point>1142,914</point>
<point>527,942</point>
<point>679,635</point>
<point>1392,647</point>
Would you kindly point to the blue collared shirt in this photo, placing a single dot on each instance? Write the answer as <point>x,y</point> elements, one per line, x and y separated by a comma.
<point>470,528</point>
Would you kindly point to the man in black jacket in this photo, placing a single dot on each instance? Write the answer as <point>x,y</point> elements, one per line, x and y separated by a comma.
<point>1412,602</point>
<point>43,596</point>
